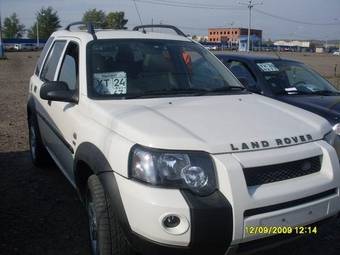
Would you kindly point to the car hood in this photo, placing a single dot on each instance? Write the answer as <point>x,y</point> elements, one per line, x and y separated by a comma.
<point>216,124</point>
<point>326,106</point>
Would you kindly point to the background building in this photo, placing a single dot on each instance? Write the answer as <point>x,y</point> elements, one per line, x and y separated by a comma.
<point>235,36</point>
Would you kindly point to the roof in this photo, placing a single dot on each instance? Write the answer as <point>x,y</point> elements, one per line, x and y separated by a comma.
<point>120,34</point>
<point>253,57</point>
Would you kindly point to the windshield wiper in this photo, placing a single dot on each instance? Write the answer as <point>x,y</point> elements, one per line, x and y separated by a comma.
<point>227,89</point>
<point>167,92</point>
<point>314,93</point>
<point>325,93</point>
<point>185,91</point>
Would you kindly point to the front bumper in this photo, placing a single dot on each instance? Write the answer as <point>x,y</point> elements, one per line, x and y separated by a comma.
<point>217,223</point>
<point>149,247</point>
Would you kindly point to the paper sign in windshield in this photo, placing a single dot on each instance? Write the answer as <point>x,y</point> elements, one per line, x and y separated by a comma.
<point>110,83</point>
<point>267,67</point>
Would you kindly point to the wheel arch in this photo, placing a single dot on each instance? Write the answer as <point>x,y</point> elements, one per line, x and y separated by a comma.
<point>89,159</point>
<point>30,106</point>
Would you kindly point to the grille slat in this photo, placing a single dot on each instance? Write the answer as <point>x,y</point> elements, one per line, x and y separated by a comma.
<point>274,173</point>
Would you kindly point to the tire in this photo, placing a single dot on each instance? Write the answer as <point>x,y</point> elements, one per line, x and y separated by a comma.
<point>39,155</point>
<point>106,236</point>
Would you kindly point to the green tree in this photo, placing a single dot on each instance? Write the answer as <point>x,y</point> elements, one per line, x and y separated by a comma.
<point>97,17</point>
<point>12,27</point>
<point>49,22</point>
<point>116,20</point>
<point>113,20</point>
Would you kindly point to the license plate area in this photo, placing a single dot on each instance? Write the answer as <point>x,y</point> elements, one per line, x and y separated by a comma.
<point>288,217</point>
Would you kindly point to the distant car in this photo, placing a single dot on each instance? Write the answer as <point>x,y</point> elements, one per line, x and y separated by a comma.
<point>210,47</point>
<point>336,53</point>
<point>288,81</point>
<point>25,47</point>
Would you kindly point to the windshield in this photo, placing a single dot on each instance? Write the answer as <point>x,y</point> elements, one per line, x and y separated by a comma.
<point>287,77</point>
<point>133,68</point>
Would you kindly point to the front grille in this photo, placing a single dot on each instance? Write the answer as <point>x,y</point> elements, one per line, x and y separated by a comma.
<point>280,172</point>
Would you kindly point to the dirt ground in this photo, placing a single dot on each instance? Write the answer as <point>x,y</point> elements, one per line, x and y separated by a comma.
<point>39,211</point>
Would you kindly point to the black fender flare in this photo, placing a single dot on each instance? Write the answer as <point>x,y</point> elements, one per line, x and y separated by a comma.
<point>30,106</point>
<point>94,158</point>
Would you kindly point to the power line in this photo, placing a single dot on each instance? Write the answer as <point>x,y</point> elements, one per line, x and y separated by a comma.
<point>185,4</point>
<point>191,6</point>
<point>294,20</point>
<point>196,4</point>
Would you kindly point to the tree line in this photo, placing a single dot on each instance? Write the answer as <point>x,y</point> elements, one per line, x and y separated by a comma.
<point>48,21</point>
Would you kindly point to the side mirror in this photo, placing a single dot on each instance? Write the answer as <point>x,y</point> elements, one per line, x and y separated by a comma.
<point>58,91</point>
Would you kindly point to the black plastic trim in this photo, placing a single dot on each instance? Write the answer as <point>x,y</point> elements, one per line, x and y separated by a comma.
<point>285,205</point>
<point>93,157</point>
<point>211,222</point>
<point>177,30</point>
<point>89,26</point>
<point>56,132</point>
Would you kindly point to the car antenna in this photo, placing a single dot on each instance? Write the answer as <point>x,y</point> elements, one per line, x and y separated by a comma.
<point>140,17</point>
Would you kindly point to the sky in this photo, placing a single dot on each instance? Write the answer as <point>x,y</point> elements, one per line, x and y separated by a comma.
<point>279,19</point>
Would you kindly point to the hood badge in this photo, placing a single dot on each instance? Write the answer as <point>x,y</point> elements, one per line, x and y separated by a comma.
<point>278,142</point>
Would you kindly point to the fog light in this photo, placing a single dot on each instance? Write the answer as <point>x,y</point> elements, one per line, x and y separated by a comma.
<point>171,221</point>
<point>174,224</point>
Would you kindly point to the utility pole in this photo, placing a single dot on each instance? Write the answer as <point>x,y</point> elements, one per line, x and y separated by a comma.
<point>38,31</point>
<point>250,4</point>
<point>2,55</point>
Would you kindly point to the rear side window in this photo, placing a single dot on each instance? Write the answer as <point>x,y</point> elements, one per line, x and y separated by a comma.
<point>51,63</point>
<point>240,70</point>
<point>42,55</point>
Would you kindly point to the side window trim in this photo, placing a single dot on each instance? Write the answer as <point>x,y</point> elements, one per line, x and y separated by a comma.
<point>44,58</point>
<point>61,61</point>
<point>245,65</point>
<point>48,54</point>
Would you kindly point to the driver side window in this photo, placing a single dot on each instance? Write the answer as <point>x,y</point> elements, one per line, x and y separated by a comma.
<point>300,76</point>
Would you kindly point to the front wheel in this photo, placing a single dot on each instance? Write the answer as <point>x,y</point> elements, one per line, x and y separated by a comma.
<point>106,236</point>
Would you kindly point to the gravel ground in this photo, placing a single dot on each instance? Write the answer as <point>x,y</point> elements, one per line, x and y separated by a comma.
<point>39,210</point>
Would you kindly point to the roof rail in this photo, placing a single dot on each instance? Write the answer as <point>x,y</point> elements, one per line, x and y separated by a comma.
<point>89,26</point>
<point>178,31</point>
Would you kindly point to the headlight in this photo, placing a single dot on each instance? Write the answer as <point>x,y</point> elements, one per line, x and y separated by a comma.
<point>336,129</point>
<point>171,169</point>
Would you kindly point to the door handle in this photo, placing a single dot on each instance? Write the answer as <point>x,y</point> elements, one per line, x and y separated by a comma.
<point>35,89</point>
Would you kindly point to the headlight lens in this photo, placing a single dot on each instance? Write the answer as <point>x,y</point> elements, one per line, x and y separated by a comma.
<point>193,171</point>
<point>336,129</point>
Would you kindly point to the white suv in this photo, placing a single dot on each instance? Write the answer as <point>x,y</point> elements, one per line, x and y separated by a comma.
<point>170,154</point>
